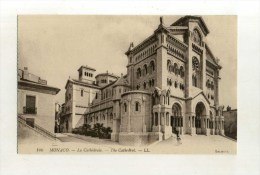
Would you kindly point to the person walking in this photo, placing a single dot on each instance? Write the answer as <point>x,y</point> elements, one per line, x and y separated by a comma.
<point>178,136</point>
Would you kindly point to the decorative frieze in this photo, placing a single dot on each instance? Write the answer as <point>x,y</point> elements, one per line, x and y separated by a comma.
<point>197,49</point>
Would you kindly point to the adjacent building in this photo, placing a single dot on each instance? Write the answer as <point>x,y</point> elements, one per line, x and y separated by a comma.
<point>80,93</point>
<point>230,124</point>
<point>36,100</point>
<point>172,83</point>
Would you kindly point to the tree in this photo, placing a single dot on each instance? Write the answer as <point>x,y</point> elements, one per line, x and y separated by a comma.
<point>98,129</point>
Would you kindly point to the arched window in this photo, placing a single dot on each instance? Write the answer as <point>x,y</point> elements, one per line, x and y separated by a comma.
<point>175,68</point>
<point>212,85</point>
<point>176,110</point>
<point>137,106</point>
<point>81,92</point>
<point>208,84</point>
<point>125,107</point>
<point>152,82</point>
<point>196,37</point>
<point>138,73</point>
<point>144,85</point>
<point>194,80</point>
<point>169,65</point>
<point>181,71</point>
<point>195,63</point>
<point>152,68</point>
<point>175,84</point>
<point>145,69</point>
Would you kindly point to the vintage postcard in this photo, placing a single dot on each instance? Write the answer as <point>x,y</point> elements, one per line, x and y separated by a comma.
<point>127,84</point>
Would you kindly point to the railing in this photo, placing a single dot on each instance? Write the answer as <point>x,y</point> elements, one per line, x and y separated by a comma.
<point>29,110</point>
<point>37,128</point>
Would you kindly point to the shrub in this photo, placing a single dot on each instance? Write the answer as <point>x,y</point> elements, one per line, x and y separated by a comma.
<point>98,131</point>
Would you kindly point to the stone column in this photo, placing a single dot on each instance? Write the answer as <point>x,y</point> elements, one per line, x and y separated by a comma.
<point>159,120</point>
<point>128,116</point>
<point>154,119</point>
<point>165,123</point>
<point>143,119</point>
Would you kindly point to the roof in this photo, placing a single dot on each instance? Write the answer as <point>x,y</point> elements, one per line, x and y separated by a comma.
<point>82,83</point>
<point>199,19</point>
<point>87,67</point>
<point>28,85</point>
<point>107,74</point>
<point>213,58</point>
<point>121,82</point>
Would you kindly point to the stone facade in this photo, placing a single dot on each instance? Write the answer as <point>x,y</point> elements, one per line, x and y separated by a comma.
<point>171,84</point>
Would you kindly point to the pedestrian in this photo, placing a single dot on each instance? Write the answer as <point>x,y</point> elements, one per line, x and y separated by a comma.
<point>178,136</point>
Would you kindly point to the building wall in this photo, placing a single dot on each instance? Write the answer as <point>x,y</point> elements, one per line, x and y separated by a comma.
<point>45,105</point>
<point>82,97</point>
<point>230,123</point>
<point>132,120</point>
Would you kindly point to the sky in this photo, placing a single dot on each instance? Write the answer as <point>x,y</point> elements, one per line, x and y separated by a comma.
<point>54,47</point>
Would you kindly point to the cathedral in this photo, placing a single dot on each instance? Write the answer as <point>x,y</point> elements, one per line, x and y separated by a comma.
<point>172,83</point>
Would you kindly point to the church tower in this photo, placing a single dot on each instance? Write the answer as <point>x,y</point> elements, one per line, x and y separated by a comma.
<point>86,74</point>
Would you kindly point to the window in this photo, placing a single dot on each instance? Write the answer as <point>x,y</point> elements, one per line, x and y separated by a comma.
<point>30,107</point>
<point>96,95</point>
<point>175,84</point>
<point>138,73</point>
<point>152,67</point>
<point>145,69</point>
<point>212,85</point>
<point>194,81</point>
<point>120,90</point>
<point>144,85</point>
<point>181,71</point>
<point>85,73</point>
<point>169,65</point>
<point>81,92</point>
<point>137,106</point>
<point>197,37</point>
<point>125,107</point>
<point>195,63</point>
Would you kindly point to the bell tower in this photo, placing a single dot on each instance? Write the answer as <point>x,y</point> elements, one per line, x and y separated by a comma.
<point>87,74</point>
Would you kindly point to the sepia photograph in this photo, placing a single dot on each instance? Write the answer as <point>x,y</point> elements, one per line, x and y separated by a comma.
<point>134,84</point>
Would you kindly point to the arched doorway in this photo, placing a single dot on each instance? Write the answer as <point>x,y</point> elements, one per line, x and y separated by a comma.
<point>176,117</point>
<point>200,111</point>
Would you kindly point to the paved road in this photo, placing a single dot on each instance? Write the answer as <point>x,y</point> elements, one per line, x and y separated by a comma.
<point>199,144</point>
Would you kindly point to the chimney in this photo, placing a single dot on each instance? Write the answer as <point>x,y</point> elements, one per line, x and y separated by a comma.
<point>25,73</point>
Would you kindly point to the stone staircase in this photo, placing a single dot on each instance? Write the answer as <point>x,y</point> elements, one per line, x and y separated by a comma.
<point>26,130</point>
